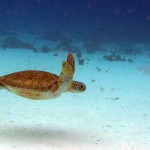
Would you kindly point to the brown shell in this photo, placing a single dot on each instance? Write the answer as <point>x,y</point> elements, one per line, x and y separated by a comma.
<point>31,79</point>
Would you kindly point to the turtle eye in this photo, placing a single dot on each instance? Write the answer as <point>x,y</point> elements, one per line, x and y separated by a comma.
<point>82,87</point>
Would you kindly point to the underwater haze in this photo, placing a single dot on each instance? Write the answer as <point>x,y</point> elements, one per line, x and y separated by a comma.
<point>110,42</point>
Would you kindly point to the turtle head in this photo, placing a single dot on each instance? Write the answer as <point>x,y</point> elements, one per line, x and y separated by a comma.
<point>77,87</point>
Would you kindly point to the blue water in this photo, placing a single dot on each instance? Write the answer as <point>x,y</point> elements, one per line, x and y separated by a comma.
<point>111,20</point>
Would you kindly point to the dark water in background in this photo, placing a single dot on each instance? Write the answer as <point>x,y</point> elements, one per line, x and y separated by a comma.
<point>92,21</point>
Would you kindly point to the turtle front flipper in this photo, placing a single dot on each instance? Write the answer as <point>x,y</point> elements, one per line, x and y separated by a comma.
<point>71,61</point>
<point>67,70</point>
<point>65,77</point>
<point>77,87</point>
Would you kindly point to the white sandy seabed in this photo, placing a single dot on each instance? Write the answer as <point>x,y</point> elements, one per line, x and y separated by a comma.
<point>112,114</point>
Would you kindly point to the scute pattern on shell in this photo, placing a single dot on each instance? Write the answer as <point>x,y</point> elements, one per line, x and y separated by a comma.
<point>30,79</point>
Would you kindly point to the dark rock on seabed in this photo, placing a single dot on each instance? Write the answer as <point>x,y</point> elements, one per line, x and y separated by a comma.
<point>12,42</point>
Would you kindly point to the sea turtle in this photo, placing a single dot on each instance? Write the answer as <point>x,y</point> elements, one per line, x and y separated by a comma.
<point>40,85</point>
